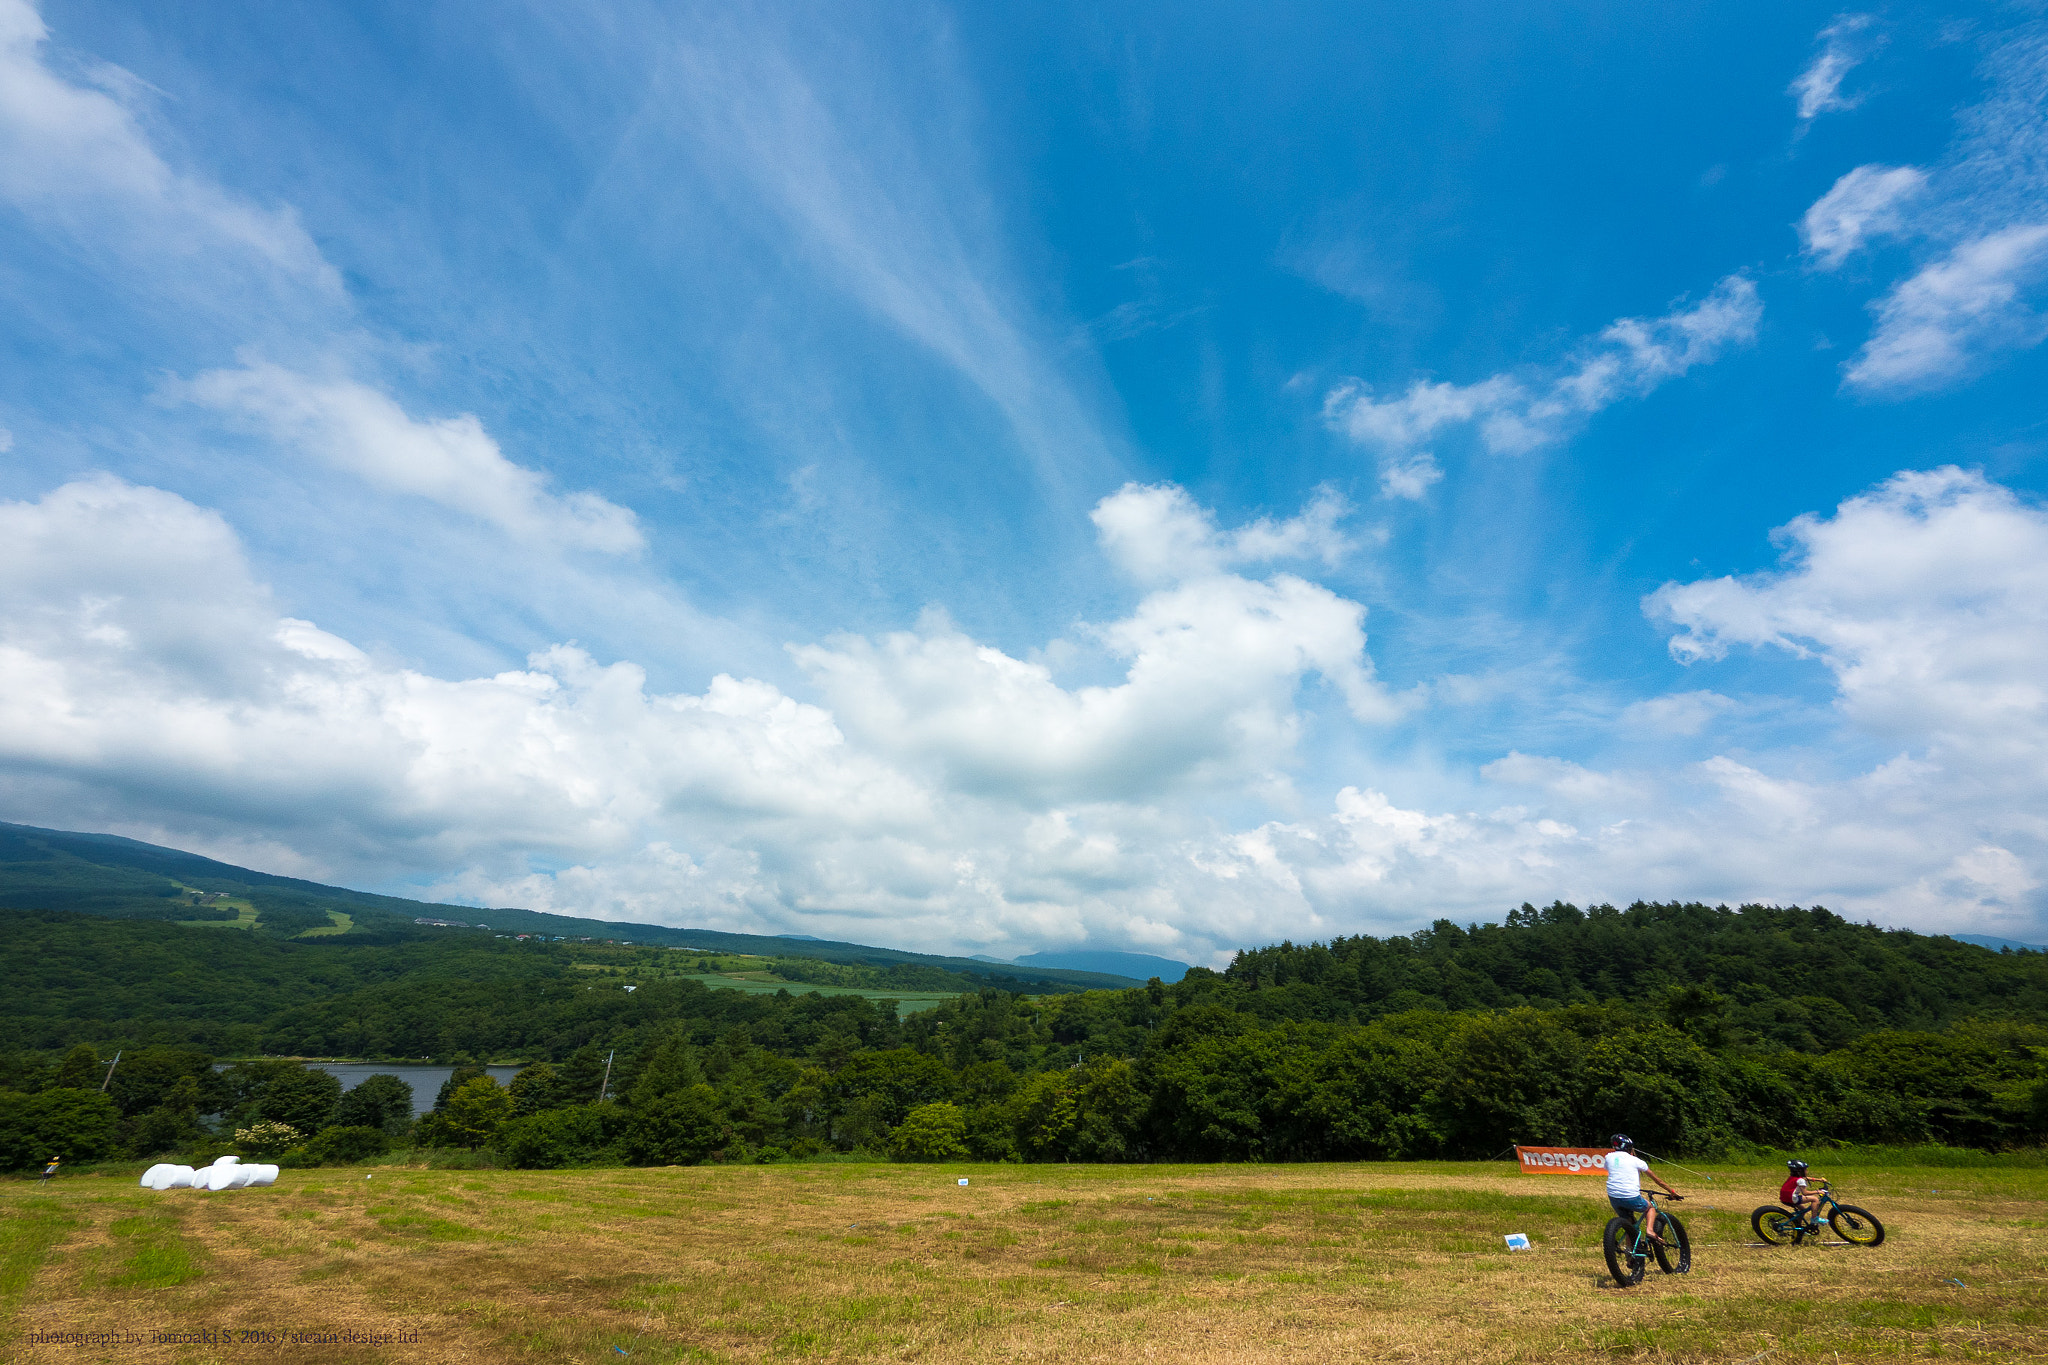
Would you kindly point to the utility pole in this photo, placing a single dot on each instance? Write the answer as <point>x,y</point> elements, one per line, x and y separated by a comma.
<point>108,1078</point>
<point>605,1084</point>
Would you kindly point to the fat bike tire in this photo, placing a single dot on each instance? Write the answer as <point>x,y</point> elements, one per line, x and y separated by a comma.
<point>1675,1256</point>
<point>1776,1226</point>
<point>1619,1243</point>
<point>1857,1227</point>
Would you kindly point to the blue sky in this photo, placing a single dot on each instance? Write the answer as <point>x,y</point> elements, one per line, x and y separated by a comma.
<point>970,478</point>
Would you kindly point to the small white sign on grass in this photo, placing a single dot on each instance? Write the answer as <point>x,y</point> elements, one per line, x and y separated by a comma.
<point>1518,1241</point>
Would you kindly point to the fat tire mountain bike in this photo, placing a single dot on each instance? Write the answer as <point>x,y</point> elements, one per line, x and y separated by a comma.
<point>1629,1247</point>
<point>1783,1227</point>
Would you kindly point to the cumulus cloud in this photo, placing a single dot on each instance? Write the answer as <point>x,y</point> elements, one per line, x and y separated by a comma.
<point>1158,534</point>
<point>1977,221</point>
<point>953,791</point>
<point>1516,413</point>
<point>1213,660</point>
<point>452,460</point>
<point>1844,44</point>
<point>1863,206</point>
<point>938,791</point>
<point>1926,598</point>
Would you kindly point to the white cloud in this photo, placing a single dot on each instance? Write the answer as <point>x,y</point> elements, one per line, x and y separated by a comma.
<point>1978,227</point>
<point>1680,713</point>
<point>1927,598</point>
<point>1157,534</point>
<point>1937,326</point>
<point>941,792</point>
<point>75,156</point>
<point>452,460</point>
<point>1212,661</point>
<point>1516,414</point>
<point>1863,206</point>
<point>952,791</point>
<point>1844,44</point>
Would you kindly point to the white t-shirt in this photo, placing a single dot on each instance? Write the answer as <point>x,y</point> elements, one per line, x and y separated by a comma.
<point>1624,1178</point>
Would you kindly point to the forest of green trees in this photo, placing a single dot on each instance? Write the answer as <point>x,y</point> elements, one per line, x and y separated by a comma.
<point>1698,1029</point>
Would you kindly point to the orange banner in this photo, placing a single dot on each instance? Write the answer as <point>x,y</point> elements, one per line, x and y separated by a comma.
<point>1562,1160</point>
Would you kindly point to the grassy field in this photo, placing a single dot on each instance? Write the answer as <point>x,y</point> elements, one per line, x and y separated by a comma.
<point>337,923</point>
<point>907,1002</point>
<point>741,972</point>
<point>1027,1263</point>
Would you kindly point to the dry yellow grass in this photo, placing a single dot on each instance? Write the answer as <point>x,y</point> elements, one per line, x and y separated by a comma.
<point>1216,1265</point>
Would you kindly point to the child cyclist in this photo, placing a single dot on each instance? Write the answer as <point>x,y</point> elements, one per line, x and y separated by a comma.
<point>1625,1172</point>
<point>1798,1191</point>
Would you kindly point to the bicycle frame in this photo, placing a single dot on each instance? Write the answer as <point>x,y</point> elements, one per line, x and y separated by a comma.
<point>1822,1202</point>
<point>1627,1261</point>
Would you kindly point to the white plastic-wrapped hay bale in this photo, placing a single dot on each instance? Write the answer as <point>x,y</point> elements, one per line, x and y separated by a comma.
<point>165,1176</point>
<point>263,1175</point>
<point>155,1173</point>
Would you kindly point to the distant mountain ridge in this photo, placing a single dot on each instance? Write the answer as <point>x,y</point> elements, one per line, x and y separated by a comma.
<point>1104,960</point>
<point>109,875</point>
<point>1994,944</point>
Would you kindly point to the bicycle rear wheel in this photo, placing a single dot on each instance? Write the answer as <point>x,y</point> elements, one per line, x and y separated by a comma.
<point>1675,1256</point>
<point>1777,1226</point>
<point>1857,1227</point>
<point>1619,1242</point>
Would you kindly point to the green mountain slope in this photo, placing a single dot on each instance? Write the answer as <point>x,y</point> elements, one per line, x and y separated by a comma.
<point>107,875</point>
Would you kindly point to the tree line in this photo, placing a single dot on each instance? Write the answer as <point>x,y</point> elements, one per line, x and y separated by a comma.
<point>1697,1029</point>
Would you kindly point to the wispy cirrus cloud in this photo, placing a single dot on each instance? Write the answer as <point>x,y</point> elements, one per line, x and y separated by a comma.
<point>1844,45</point>
<point>1517,413</point>
<point>77,157</point>
<point>877,186</point>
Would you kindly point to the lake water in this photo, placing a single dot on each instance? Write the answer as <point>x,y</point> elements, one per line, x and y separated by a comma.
<point>426,1081</point>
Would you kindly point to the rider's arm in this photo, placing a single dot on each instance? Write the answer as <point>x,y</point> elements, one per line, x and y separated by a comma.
<point>1660,1180</point>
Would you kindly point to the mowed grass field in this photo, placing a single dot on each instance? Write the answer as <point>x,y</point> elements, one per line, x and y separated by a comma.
<point>1026,1263</point>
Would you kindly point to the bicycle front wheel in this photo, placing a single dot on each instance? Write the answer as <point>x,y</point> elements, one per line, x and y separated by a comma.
<point>1857,1227</point>
<point>1775,1226</point>
<point>1619,1242</point>
<point>1675,1256</point>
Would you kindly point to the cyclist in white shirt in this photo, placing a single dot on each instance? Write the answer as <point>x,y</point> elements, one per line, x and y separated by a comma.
<point>1625,1172</point>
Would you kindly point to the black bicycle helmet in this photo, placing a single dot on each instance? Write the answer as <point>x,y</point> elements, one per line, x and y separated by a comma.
<point>1796,1167</point>
<point>1624,1143</point>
